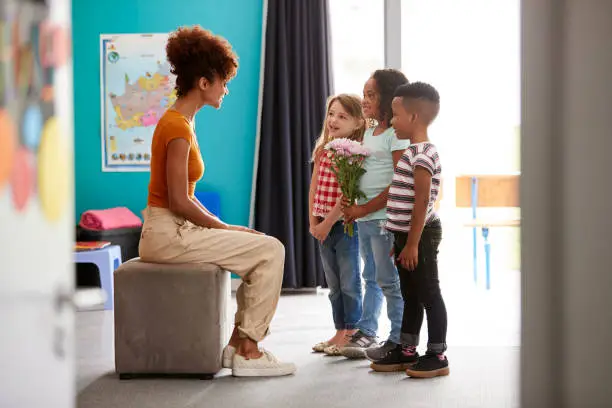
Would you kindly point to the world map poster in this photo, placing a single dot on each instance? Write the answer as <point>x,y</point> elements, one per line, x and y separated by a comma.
<point>136,87</point>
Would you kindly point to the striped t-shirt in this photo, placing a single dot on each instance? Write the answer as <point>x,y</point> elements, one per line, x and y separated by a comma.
<point>401,193</point>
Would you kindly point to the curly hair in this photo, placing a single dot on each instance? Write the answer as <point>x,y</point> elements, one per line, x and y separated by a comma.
<point>194,52</point>
<point>387,81</point>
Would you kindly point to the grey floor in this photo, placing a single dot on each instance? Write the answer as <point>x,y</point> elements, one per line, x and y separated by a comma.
<point>483,353</point>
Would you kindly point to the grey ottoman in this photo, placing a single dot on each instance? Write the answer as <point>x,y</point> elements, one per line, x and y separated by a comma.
<point>170,319</point>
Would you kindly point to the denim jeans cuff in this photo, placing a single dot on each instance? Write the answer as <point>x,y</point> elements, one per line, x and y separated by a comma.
<point>367,332</point>
<point>409,339</point>
<point>395,339</point>
<point>350,326</point>
<point>436,348</point>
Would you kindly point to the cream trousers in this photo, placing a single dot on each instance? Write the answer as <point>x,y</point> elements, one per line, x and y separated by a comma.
<point>258,259</point>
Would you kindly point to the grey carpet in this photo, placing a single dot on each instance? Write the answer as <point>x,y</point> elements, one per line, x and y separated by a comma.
<point>483,375</point>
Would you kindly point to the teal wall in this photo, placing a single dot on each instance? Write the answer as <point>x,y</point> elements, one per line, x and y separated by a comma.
<point>226,136</point>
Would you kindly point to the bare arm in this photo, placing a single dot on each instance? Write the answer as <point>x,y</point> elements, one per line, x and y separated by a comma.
<point>377,203</point>
<point>335,214</point>
<point>311,192</point>
<point>178,196</point>
<point>422,188</point>
<point>320,230</point>
<point>380,201</point>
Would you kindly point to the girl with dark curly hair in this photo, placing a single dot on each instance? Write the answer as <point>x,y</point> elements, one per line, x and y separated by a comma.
<point>179,229</point>
<point>375,242</point>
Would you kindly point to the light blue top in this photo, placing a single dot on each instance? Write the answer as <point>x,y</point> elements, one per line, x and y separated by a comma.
<point>379,166</point>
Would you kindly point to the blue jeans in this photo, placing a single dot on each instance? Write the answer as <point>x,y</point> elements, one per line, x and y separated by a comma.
<point>381,279</point>
<point>340,258</point>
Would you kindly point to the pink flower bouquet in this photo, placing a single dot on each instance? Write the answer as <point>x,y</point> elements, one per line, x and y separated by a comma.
<point>347,160</point>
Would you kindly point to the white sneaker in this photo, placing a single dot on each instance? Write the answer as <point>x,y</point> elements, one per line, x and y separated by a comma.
<point>228,356</point>
<point>265,366</point>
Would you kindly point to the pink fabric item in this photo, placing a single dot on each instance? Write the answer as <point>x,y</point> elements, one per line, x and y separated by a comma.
<point>118,217</point>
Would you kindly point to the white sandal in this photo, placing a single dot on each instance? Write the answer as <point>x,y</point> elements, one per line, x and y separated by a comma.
<point>320,347</point>
<point>333,350</point>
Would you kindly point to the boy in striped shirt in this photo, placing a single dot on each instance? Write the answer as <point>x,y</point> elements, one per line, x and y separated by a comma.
<point>417,229</point>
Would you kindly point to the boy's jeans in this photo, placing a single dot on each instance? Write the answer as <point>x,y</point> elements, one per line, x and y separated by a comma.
<point>381,278</point>
<point>340,258</point>
<point>421,290</point>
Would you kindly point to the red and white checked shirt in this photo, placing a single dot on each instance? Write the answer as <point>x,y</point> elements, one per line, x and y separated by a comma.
<point>328,191</point>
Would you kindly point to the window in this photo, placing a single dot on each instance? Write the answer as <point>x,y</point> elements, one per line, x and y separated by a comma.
<point>358,42</point>
<point>470,51</point>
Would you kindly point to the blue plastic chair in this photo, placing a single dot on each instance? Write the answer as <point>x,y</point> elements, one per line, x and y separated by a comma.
<point>107,260</point>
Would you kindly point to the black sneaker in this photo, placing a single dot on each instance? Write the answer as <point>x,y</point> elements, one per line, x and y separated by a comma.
<point>375,354</point>
<point>429,366</point>
<point>396,359</point>
<point>357,345</point>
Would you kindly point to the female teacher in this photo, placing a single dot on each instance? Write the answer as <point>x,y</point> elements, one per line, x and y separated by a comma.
<point>179,229</point>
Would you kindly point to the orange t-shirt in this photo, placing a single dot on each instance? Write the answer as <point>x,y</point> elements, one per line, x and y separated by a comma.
<point>172,125</point>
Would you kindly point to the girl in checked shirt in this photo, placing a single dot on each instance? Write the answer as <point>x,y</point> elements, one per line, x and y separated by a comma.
<point>339,251</point>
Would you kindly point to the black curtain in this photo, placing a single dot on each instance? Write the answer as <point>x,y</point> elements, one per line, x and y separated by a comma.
<point>297,82</point>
